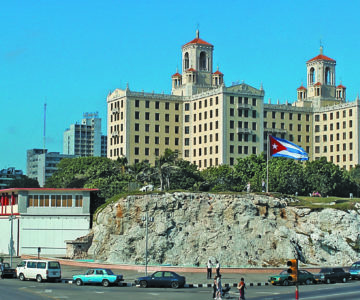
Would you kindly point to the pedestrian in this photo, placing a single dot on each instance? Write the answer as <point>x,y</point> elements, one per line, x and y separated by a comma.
<point>241,287</point>
<point>214,287</point>
<point>218,287</point>
<point>248,187</point>
<point>263,186</point>
<point>209,266</point>
<point>1,270</point>
<point>217,268</point>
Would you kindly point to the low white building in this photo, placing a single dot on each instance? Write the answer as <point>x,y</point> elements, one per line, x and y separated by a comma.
<point>43,217</point>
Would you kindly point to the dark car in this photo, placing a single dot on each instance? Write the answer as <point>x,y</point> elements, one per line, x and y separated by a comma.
<point>162,279</point>
<point>8,271</point>
<point>328,275</point>
<point>355,270</point>
<point>283,278</point>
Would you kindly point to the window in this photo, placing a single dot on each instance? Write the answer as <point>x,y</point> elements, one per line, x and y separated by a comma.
<point>176,129</point>
<point>254,101</point>
<point>137,126</point>
<point>136,150</point>
<point>231,112</point>
<point>290,116</point>
<point>254,113</point>
<point>137,103</point>
<point>299,117</point>
<point>78,201</point>
<point>282,115</point>
<point>137,115</point>
<point>147,104</point>
<point>167,129</point>
<point>157,140</point>
<point>157,116</point>
<point>176,106</point>
<point>157,104</point>
<point>157,128</point>
<point>147,127</point>
<point>137,137</point>
<point>147,139</point>
<point>231,99</point>
<point>167,140</point>
<point>187,106</point>
<point>147,116</point>
<point>273,114</point>
<point>167,117</point>
<point>167,105</point>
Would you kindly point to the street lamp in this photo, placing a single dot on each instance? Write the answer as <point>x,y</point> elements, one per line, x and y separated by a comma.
<point>147,220</point>
<point>11,219</point>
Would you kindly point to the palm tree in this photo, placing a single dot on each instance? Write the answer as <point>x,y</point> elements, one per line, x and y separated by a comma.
<point>122,161</point>
<point>165,165</point>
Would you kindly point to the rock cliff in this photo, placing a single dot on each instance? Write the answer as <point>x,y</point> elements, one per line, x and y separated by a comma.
<point>240,230</point>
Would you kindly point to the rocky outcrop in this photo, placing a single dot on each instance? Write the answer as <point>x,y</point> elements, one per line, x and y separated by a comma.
<point>239,230</point>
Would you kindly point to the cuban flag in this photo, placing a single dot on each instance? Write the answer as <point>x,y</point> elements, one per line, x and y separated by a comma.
<point>284,148</point>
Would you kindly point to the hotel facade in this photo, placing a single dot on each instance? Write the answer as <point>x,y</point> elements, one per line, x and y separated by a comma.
<point>211,124</point>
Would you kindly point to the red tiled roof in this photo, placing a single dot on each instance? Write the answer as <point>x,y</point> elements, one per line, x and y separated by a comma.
<point>318,83</point>
<point>198,41</point>
<point>191,70</point>
<point>302,88</point>
<point>45,189</point>
<point>340,86</point>
<point>321,57</point>
<point>176,75</point>
<point>218,72</point>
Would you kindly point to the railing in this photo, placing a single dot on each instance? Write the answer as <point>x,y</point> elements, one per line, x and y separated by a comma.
<point>244,130</point>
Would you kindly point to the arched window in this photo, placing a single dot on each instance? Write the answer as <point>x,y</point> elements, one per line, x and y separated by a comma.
<point>203,60</point>
<point>327,75</point>
<point>186,61</point>
<point>312,76</point>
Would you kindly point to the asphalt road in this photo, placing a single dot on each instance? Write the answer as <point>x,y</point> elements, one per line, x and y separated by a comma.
<point>15,289</point>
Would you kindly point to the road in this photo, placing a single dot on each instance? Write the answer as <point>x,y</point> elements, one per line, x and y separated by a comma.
<point>30,290</point>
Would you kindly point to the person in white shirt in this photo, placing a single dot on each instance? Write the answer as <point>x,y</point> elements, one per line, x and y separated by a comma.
<point>217,268</point>
<point>209,271</point>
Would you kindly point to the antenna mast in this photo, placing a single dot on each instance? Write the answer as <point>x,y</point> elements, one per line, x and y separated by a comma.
<point>44,137</point>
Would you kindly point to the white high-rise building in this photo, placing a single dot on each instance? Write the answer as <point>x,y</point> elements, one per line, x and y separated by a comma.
<point>85,139</point>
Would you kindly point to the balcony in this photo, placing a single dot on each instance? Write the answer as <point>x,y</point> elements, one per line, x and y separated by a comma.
<point>244,130</point>
<point>244,106</point>
<point>275,130</point>
<point>115,133</point>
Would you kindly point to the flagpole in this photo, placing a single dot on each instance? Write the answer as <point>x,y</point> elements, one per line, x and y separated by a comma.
<point>267,164</point>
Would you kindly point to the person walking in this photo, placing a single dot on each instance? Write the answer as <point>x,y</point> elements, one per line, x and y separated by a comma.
<point>263,186</point>
<point>214,287</point>
<point>241,287</point>
<point>209,271</point>
<point>1,270</point>
<point>218,287</point>
<point>217,268</point>
<point>248,187</point>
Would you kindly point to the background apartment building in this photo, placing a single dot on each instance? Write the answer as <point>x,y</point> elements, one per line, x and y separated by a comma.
<point>41,164</point>
<point>85,139</point>
<point>211,124</point>
<point>8,175</point>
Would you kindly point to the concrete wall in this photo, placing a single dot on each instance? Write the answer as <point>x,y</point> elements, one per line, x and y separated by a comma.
<point>50,233</point>
<point>5,229</point>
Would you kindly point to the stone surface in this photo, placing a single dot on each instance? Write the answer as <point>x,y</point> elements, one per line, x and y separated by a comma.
<point>244,230</point>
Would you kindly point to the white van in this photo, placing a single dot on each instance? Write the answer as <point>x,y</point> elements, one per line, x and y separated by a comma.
<point>39,270</point>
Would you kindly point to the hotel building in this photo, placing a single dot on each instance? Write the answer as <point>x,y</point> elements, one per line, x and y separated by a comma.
<point>211,124</point>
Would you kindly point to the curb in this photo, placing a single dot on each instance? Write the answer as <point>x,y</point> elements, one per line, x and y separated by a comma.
<point>188,285</point>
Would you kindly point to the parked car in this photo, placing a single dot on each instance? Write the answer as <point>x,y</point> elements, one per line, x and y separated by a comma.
<point>105,277</point>
<point>355,270</point>
<point>39,270</point>
<point>328,275</point>
<point>283,278</point>
<point>162,279</point>
<point>8,271</point>
<point>147,188</point>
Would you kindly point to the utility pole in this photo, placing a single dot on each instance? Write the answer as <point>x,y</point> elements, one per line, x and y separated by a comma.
<point>11,219</point>
<point>146,219</point>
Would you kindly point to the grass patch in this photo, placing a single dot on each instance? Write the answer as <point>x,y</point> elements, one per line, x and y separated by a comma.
<point>319,203</point>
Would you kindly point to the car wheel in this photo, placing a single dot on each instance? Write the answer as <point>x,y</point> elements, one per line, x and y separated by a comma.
<point>328,280</point>
<point>286,283</point>
<point>308,281</point>
<point>344,279</point>
<point>105,283</point>
<point>175,284</point>
<point>21,277</point>
<point>38,278</point>
<point>143,283</point>
<point>78,282</point>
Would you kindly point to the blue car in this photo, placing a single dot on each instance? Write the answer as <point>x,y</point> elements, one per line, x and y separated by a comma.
<point>98,276</point>
<point>355,270</point>
<point>161,279</point>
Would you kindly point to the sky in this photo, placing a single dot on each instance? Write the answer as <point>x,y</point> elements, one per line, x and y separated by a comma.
<point>70,53</point>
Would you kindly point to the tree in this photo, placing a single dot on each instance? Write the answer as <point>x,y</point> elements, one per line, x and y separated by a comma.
<point>219,178</point>
<point>164,166</point>
<point>286,176</point>
<point>24,182</point>
<point>186,176</point>
<point>327,178</point>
